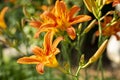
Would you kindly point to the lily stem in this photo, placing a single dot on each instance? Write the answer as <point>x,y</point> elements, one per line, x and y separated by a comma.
<point>77,73</point>
<point>100,32</point>
<point>99,43</point>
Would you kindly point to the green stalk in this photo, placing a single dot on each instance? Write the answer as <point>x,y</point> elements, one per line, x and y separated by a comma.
<point>100,32</point>
<point>77,73</point>
<point>100,67</point>
<point>1,55</point>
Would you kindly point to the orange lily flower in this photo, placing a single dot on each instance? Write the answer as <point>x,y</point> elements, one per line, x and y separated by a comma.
<point>115,2</point>
<point>2,14</point>
<point>109,30</point>
<point>61,19</point>
<point>46,56</point>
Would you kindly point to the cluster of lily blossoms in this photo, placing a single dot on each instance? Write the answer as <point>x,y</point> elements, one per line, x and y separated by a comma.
<point>58,20</point>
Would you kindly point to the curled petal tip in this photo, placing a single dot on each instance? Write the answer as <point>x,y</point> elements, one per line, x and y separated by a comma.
<point>40,68</point>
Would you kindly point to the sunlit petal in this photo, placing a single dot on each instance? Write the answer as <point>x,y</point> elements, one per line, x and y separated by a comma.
<point>52,62</point>
<point>48,41</point>
<point>60,7</point>
<point>55,51</point>
<point>2,14</point>
<point>60,18</point>
<point>40,68</point>
<point>50,15</point>
<point>71,33</point>
<point>35,24</point>
<point>73,10</point>
<point>44,28</point>
<point>28,60</point>
<point>57,41</point>
<point>2,25</point>
<point>80,18</point>
<point>38,51</point>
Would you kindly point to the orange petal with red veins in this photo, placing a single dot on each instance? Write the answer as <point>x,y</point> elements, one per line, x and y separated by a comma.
<point>48,40</point>
<point>55,51</point>
<point>80,18</point>
<point>28,60</point>
<point>40,68</point>
<point>35,24</point>
<point>52,62</point>
<point>38,51</point>
<point>43,28</point>
<point>57,41</point>
<point>71,33</point>
<point>50,15</point>
<point>60,7</point>
<point>73,10</point>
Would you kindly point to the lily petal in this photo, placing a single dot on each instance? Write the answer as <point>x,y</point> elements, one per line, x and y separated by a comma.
<point>35,24</point>
<point>73,10</point>
<point>38,51</point>
<point>60,7</point>
<point>48,41</point>
<point>71,33</point>
<point>57,41</point>
<point>28,60</point>
<point>40,68</point>
<point>2,14</point>
<point>50,15</point>
<point>44,28</point>
<point>52,62</point>
<point>80,18</point>
<point>55,51</point>
<point>2,25</point>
